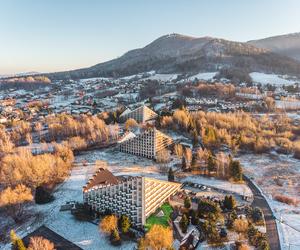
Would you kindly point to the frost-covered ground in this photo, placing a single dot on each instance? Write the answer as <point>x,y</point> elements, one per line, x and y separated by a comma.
<point>240,189</point>
<point>87,236</point>
<point>273,79</point>
<point>203,76</point>
<point>295,105</point>
<point>162,77</point>
<point>84,234</point>
<point>94,79</point>
<point>278,174</point>
<point>124,164</point>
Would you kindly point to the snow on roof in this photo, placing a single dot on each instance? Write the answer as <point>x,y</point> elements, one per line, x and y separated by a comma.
<point>126,111</point>
<point>102,177</point>
<point>126,137</point>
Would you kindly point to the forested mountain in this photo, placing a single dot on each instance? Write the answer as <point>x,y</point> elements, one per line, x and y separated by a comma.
<point>287,45</point>
<point>184,54</point>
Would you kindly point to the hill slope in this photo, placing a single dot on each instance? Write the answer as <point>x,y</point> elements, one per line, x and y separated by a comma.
<point>287,45</point>
<point>182,54</point>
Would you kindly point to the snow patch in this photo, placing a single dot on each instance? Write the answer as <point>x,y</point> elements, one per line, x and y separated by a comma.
<point>272,79</point>
<point>203,76</point>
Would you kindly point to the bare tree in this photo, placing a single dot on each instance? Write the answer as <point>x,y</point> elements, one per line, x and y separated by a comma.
<point>15,199</point>
<point>39,243</point>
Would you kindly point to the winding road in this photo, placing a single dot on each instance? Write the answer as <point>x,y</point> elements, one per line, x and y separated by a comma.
<point>260,201</point>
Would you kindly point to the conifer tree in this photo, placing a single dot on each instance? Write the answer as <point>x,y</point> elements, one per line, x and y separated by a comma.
<point>171,176</point>
<point>124,223</point>
<point>183,164</point>
<point>194,161</point>
<point>184,222</point>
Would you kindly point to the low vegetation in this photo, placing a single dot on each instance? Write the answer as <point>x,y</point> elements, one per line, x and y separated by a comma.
<point>163,220</point>
<point>287,199</point>
<point>239,130</point>
<point>13,200</point>
<point>158,237</point>
<point>117,228</point>
<point>22,167</point>
<point>38,243</point>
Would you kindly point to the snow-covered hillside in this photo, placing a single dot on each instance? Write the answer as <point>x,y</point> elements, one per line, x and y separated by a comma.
<point>273,79</point>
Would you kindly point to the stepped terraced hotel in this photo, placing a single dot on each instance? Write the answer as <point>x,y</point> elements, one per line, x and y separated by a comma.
<point>141,114</point>
<point>146,144</point>
<point>137,197</point>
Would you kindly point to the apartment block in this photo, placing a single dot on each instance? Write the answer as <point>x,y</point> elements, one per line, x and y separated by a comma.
<point>146,143</point>
<point>137,197</point>
<point>141,114</point>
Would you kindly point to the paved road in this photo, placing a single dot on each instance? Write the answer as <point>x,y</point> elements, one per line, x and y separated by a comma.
<point>259,201</point>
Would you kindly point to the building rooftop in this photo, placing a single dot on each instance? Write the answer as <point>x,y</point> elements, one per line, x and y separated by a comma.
<point>101,177</point>
<point>59,242</point>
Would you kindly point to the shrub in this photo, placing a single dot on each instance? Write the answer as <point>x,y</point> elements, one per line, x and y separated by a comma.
<point>208,208</point>
<point>109,223</point>
<point>184,223</point>
<point>187,202</point>
<point>13,200</point>
<point>124,223</point>
<point>171,176</point>
<point>158,237</point>
<point>115,238</point>
<point>287,199</point>
<point>42,195</point>
<point>210,231</point>
<point>236,170</point>
<point>242,246</point>
<point>229,202</point>
<point>240,225</point>
<point>257,215</point>
<point>297,149</point>
<point>38,243</point>
<point>194,218</point>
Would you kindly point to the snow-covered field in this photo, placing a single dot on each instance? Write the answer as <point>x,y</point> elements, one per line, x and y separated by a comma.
<point>94,79</point>
<point>292,105</point>
<point>273,79</point>
<point>203,76</point>
<point>84,234</point>
<point>278,174</point>
<point>162,77</point>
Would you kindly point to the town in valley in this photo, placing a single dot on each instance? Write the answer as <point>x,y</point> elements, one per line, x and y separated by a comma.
<point>186,143</point>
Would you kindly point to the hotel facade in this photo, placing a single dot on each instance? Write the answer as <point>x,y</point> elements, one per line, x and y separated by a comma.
<point>137,197</point>
<point>141,114</point>
<point>146,144</point>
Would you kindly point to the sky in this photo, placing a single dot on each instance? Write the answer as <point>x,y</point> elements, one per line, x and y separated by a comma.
<point>56,35</point>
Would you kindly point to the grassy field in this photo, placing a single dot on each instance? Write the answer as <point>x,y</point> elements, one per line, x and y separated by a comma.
<point>154,219</point>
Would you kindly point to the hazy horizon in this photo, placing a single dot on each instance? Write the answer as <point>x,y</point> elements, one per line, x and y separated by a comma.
<point>57,35</point>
